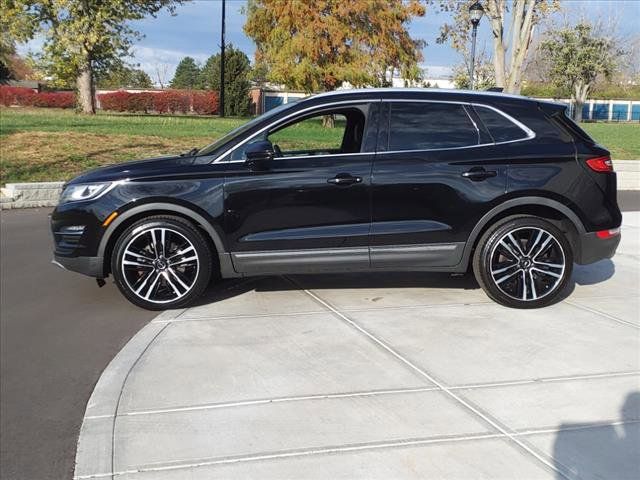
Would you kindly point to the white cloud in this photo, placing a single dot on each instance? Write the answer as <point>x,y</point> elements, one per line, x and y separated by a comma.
<point>437,71</point>
<point>151,59</point>
<point>32,46</point>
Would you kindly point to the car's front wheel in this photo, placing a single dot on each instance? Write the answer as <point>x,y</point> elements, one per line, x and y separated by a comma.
<point>523,262</point>
<point>161,262</point>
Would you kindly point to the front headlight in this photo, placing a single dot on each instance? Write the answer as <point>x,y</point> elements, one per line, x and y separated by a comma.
<point>75,193</point>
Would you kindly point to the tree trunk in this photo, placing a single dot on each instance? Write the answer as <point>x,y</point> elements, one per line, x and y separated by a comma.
<point>509,76</point>
<point>328,121</point>
<point>580,92</point>
<point>522,29</point>
<point>86,91</point>
<point>577,110</point>
<point>498,54</point>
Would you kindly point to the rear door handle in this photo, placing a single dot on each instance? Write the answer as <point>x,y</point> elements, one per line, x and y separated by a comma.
<point>344,179</point>
<point>479,173</point>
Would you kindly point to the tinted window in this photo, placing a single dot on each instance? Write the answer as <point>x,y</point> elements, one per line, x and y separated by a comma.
<point>331,132</point>
<point>429,126</point>
<point>242,129</point>
<point>311,134</point>
<point>500,127</point>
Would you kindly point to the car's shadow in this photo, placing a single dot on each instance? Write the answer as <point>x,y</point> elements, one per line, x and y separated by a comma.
<point>233,287</point>
<point>582,275</point>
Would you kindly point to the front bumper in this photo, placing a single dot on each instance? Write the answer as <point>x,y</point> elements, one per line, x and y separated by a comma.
<point>593,249</point>
<point>91,266</point>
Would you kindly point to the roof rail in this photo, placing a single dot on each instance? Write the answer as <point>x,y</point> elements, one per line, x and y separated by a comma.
<point>495,89</point>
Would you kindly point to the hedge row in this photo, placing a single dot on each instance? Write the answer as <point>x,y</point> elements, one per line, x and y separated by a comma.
<point>168,101</point>
<point>26,97</point>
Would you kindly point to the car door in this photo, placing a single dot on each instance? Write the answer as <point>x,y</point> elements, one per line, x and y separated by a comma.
<point>433,178</point>
<point>308,209</point>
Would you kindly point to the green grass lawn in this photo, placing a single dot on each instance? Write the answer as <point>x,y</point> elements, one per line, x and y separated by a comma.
<point>621,139</point>
<point>50,144</point>
<point>55,120</point>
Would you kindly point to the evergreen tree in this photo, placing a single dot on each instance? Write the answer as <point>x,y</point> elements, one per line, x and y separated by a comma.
<point>124,77</point>
<point>187,74</point>
<point>236,80</point>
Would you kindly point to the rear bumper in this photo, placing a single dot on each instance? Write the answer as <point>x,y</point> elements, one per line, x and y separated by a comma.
<point>593,248</point>
<point>91,266</point>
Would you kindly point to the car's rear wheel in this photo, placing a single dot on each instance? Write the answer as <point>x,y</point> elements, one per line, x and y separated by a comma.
<point>161,262</point>
<point>523,262</point>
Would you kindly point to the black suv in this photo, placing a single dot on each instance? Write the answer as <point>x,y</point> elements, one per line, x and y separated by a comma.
<point>406,179</point>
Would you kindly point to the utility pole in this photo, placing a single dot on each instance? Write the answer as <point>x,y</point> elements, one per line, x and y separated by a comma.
<point>221,113</point>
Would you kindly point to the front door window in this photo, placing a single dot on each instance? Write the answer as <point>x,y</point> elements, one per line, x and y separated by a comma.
<point>329,132</point>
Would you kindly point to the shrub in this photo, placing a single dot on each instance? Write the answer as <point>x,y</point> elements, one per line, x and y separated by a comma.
<point>172,101</point>
<point>122,101</point>
<point>14,95</point>
<point>116,101</point>
<point>205,103</point>
<point>55,100</point>
<point>168,101</point>
<point>26,97</point>
<point>140,102</point>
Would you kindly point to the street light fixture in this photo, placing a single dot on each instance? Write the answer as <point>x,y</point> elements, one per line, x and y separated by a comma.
<point>475,14</point>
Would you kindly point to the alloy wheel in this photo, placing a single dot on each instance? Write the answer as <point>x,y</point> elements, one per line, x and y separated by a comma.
<point>527,263</point>
<point>160,265</point>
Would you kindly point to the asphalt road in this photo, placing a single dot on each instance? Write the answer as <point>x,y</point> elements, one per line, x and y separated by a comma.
<point>58,331</point>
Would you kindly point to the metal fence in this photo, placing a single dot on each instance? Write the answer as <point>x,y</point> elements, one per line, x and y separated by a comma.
<point>592,110</point>
<point>607,110</point>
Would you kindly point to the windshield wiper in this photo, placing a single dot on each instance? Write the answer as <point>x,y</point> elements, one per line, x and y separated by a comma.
<point>190,153</point>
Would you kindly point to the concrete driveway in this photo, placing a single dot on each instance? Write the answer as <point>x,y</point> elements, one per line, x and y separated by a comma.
<point>378,376</point>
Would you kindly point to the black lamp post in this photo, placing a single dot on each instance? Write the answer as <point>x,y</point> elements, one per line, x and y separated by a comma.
<point>475,14</point>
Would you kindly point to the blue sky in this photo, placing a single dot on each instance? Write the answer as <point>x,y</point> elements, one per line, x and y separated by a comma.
<point>195,31</point>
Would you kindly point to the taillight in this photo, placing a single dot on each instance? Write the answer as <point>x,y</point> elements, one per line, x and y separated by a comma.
<point>604,234</point>
<point>600,164</point>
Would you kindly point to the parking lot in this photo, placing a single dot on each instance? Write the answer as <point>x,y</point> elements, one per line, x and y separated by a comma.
<point>378,376</point>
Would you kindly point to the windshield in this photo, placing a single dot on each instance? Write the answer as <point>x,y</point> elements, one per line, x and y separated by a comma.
<point>242,129</point>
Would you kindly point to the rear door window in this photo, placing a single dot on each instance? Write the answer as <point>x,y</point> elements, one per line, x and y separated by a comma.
<point>500,127</point>
<point>430,126</point>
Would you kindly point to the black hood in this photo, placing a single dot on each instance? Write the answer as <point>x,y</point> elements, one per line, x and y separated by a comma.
<point>138,169</point>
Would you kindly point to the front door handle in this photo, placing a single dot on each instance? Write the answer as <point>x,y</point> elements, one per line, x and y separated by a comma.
<point>479,173</point>
<point>344,179</point>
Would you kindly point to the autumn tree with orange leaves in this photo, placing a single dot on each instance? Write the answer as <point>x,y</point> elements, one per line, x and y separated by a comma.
<point>316,45</point>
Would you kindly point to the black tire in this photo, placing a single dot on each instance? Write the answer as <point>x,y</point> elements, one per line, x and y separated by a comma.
<point>178,261</point>
<point>522,274</point>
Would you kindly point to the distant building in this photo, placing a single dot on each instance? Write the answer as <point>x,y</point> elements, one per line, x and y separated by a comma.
<point>268,95</point>
<point>32,84</point>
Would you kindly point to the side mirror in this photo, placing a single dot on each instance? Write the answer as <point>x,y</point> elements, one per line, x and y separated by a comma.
<point>259,152</point>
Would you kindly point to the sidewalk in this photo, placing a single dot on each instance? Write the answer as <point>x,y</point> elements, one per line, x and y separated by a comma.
<point>358,376</point>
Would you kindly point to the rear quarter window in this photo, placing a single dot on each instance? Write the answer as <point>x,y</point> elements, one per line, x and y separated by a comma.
<point>569,124</point>
<point>500,127</point>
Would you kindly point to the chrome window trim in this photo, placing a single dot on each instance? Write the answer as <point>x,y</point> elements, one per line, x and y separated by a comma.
<point>466,110</point>
<point>346,91</point>
<point>296,157</point>
<point>529,134</point>
<point>220,158</point>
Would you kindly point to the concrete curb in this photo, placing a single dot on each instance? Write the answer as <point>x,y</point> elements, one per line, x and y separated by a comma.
<point>29,195</point>
<point>94,450</point>
<point>628,174</point>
